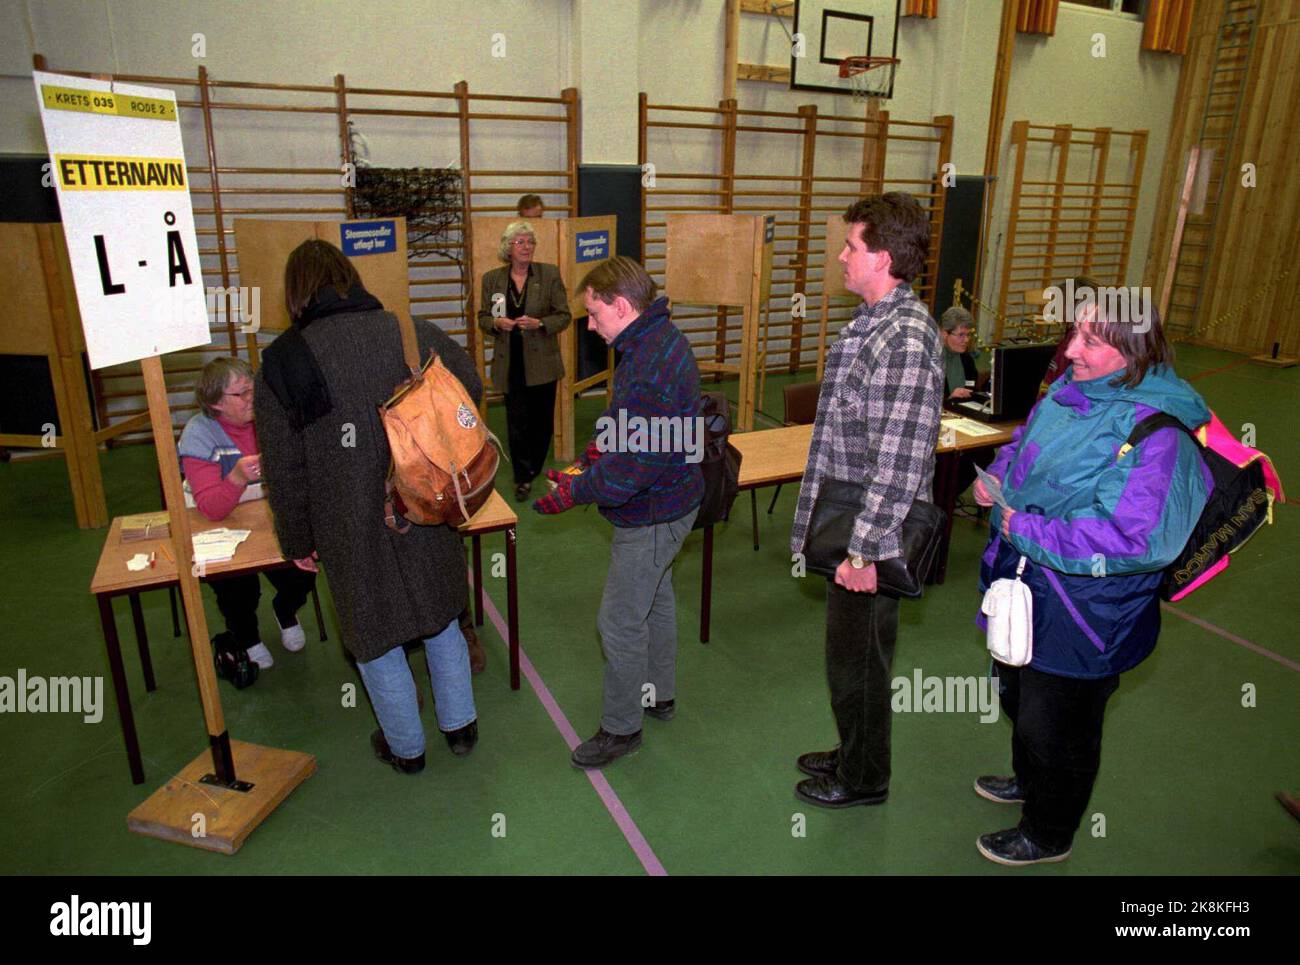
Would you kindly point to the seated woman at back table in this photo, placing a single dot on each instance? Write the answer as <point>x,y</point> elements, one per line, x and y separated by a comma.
<point>961,377</point>
<point>960,380</point>
<point>220,459</point>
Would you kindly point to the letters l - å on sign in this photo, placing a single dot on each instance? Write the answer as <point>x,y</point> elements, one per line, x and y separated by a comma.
<point>119,169</point>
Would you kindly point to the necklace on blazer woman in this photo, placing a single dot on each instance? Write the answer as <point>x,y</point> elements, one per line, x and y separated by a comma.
<point>510,292</point>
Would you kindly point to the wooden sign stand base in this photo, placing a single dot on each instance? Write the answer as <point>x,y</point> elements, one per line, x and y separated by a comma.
<point>229,816</point>
<point>1280,362</point>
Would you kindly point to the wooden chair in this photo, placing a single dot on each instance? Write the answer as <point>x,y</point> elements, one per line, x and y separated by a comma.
<point>800,410</point>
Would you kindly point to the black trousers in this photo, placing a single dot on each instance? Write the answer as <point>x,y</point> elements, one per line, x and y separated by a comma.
<point>861,632</point>
<point>530,421</point>
<point>1055,746</point>
<point>238,596</point>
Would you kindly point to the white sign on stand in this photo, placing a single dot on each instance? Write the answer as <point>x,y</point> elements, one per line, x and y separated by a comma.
<point>118,164</point>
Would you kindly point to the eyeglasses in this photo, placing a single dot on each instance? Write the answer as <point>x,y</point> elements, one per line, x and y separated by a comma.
<point>246,394</point>
<point>522,242</point>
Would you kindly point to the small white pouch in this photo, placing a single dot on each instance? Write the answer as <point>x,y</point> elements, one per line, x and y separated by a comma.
<point>1009,611</point>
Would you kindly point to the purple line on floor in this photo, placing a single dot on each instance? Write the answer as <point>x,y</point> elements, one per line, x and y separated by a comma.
<point>1207,625</point>
<point>640,846</point>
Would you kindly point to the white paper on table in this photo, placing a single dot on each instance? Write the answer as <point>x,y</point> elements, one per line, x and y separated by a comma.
<point>993,486</point>
<point>218,545</point>
<point>969,427</point>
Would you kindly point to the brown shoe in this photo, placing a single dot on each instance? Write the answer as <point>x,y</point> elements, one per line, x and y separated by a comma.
<point>477,658</point>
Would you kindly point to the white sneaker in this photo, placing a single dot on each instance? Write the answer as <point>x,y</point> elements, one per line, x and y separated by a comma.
<point>261,656</point>
<point>293,638</point>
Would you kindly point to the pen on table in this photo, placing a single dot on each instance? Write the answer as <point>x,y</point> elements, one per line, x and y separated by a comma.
<point>166,552</point>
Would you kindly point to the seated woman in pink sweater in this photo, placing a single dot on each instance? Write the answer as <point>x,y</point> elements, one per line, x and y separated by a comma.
<point>220,459</point>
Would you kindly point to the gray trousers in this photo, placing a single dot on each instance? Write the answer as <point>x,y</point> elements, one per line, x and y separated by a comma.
<point>638,620</point>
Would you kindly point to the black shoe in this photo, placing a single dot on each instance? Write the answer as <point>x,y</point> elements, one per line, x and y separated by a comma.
<point>462,741</point>
<point>237,667</point>
<point>819,763</point>
<point>663,709</point>
<point>603,748</point>
<point>826,791</point>
<point>1000,790</point>
<point>522,490</point>
<point>404,765</point>
<point>1014,847</point>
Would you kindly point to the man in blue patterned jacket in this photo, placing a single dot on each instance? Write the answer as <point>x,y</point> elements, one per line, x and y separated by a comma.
<point>877,424</point>
<point>642,471</point>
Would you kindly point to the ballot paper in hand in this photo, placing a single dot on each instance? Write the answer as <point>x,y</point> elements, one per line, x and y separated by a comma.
<point>993,486</point>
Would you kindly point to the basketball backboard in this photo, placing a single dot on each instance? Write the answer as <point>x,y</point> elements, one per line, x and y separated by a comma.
<point>831,30</point>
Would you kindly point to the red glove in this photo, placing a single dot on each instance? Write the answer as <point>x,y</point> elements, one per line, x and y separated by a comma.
<point>591,454</point>
<point>559,499</point>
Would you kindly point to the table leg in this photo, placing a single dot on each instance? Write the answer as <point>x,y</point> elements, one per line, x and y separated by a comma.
<point>512,605</point>
<point>753,512</point>
<point>945,495</point>
<point>176,616</point>
<point>478,577</point>
<point>706,585</point>
<point>320,619</point>
<point>142,641</point>
<point>114,647</point>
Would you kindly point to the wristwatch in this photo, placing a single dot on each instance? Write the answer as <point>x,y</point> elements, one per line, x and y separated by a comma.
<point>857,562</point>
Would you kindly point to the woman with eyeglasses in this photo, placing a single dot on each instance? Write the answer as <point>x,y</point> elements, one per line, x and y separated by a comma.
<point>524,307</point>
<point>961,376</point>
<point>220,459</point>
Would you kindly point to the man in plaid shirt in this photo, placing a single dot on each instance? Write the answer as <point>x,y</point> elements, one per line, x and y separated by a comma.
<point>877,423</point>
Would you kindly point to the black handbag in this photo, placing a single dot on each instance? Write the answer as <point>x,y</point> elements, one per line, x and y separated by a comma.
<point>827,546</point>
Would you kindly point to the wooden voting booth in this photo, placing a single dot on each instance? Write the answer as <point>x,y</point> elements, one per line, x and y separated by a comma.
<point>264,247</point>
<point>724,259</point>
<point>44,320</point>
<point>574,245</point>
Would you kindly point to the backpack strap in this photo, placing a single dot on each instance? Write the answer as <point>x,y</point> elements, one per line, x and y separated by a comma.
<point>1152,423</point>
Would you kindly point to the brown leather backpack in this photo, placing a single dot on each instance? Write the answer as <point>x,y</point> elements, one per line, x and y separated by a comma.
<point>444,459</point>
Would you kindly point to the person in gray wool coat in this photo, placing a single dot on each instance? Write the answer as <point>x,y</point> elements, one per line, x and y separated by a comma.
<point>324,458</point>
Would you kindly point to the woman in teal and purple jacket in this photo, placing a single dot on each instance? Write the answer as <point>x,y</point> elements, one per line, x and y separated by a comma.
<point>1096,529</point>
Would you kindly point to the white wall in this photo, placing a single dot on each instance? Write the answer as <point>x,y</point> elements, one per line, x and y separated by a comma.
<point>382,43</point>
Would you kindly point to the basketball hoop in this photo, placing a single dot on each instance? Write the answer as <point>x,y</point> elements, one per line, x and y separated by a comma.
<point>869,76</point>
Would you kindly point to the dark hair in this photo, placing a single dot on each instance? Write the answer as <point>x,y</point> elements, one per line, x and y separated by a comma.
<point>1142,351</point>
<point>899,225</point>
<point>312,266</point>
<point>620,276</point>
<point>529,201</point>
<point>214,378</point>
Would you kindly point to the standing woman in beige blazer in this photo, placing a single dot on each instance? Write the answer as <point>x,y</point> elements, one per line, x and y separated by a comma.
<point>531,309</point>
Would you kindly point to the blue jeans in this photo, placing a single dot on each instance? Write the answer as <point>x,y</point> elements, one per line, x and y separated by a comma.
<point>391,688</point>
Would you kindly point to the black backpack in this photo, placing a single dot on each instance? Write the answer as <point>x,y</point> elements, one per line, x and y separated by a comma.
<point>1238,506</point>
<point>721,462</point>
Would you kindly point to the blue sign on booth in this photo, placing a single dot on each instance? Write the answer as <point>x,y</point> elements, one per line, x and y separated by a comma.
<point>368,237</point>
<point>592,245</point>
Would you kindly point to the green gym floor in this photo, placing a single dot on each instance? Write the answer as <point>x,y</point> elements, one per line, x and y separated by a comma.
<point>1187,779</point>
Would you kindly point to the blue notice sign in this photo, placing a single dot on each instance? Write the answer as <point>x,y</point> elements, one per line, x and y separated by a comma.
<point>592,246</point>
<point>368,237</point>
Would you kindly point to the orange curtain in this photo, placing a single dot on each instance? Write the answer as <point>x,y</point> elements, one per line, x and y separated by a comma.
<point>929,9</point>
<point>1167,26</point>
<point>1037,16</point>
